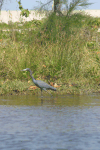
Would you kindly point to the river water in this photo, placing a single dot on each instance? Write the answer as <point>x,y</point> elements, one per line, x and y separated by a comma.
<point>61,123</point>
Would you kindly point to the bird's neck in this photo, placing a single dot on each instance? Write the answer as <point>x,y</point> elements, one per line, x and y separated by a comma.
<point>33,80</point>
<point>32,77</point>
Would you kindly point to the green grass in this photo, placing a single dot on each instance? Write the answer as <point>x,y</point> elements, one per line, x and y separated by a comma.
<point>62,50</point>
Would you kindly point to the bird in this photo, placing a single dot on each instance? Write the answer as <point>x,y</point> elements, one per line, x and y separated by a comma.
<point>41,84</point>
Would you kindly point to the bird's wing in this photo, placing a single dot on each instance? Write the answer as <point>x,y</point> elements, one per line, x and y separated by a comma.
<point>42,84</point>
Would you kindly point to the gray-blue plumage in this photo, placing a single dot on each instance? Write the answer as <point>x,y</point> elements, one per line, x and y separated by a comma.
<point>41,84</point>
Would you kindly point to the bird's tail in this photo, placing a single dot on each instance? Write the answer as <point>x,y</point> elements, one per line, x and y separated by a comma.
<point>52,88</point>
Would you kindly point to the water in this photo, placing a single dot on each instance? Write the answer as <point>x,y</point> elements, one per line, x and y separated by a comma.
<point>61,123</point>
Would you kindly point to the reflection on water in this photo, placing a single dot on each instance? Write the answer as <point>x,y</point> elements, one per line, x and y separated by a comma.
<point>66,122</point>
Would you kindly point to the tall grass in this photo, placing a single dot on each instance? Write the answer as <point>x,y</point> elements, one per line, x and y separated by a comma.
<point>58,50</point>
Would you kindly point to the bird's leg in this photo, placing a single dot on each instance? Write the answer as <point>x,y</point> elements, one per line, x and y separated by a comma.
<point>48,92</point>
<point>41,93</point>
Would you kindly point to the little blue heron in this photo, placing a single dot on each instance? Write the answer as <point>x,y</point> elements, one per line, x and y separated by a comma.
<point>42,85</point>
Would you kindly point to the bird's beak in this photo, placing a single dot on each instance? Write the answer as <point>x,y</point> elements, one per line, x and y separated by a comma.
<point>23,70</point>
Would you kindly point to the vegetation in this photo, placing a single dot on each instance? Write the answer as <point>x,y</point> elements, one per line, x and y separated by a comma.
<point>24,12</point>
<point>62,50</point>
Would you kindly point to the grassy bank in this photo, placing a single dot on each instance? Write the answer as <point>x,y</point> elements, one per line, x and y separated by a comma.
<point>60,50</point>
